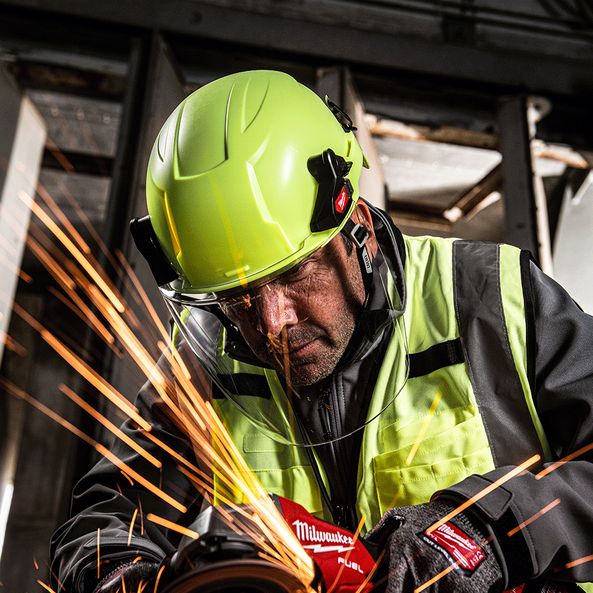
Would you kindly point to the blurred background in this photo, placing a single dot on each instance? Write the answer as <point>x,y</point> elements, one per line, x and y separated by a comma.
<point>476,116</point>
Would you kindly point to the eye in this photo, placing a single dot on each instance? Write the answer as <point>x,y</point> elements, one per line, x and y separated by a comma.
<point>293,273</point>
<point>298,272</point>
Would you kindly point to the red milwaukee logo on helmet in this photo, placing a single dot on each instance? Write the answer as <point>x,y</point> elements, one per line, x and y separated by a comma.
<point>341,201</point>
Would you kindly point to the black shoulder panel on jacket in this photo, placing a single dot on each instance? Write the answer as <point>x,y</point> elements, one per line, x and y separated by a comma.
<point>482,328</point>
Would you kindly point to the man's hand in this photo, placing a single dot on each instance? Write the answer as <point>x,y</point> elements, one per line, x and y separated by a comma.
<point>452,557</point>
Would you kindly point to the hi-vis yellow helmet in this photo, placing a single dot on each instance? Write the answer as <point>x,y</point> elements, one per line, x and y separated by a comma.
<point>249,175</point>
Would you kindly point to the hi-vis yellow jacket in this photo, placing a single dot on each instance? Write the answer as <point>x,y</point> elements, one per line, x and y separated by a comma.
<point>492,343</point>
<point>501,371</point>
<point>453,417</point>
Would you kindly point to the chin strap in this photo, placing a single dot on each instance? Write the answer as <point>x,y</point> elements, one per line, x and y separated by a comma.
<point>358,234</point>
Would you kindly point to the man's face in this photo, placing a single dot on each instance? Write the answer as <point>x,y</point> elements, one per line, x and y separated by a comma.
<point>300,323</point>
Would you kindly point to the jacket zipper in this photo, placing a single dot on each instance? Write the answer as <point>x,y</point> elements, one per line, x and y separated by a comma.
<point>341,497</point>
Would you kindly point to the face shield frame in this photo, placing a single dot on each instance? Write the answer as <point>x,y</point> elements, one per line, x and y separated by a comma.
<point>334,205</point>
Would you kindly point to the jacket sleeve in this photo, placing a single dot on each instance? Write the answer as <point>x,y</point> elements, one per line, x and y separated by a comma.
<point>109,524</point>
<point>546,515</point>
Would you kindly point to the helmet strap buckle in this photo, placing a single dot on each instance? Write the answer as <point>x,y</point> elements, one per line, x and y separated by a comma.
<point>359,235</point>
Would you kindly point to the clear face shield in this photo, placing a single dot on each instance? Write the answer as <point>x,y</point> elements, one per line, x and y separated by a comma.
<point>270,350</point>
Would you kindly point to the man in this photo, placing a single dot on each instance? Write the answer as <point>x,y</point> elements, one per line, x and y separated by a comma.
<point>360,372</point>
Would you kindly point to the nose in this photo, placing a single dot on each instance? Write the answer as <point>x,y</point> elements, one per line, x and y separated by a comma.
<point>275,310</point>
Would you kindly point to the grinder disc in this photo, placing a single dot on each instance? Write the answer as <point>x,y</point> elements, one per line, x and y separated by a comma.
<point>243,575</point>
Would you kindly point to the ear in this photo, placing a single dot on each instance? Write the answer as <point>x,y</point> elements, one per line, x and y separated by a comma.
<point>362,216</point>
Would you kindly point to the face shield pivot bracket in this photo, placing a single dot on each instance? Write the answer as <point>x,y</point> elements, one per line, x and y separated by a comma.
<point>150,248</point>
<point>334,192</point>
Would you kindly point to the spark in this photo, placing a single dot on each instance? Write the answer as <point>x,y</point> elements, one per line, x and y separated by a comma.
<point>562,461</point>
<point>335,585</point>
<point>63,219</point>
<point>424,427</point>
<point>142,298</point>
<point>70,279</point>
<point>141,516</point>
<point>369,576</point>
<point>50,263</point>
<point>132,526</point>
<point>158,577</point>
<point>59,156</point>
<point>511,474</point>
<point>84,262</point>
<point>12,344</point>
<point>84,369</point>
<point>394,500</point>
<point>53,574</point>
<point>109,425</point>
<point>576,563</point>
<point>437,577</point>
<point>173,526</point>
<point>46,587</point>
<point>181,391</point>
<point>536,516</point>
<point>81,215</point>
<point>123,473</point>
<point>98,446</point>
<point>99,553</point>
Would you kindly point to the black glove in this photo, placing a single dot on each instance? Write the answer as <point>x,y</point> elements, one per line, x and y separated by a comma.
<point>456,555</point>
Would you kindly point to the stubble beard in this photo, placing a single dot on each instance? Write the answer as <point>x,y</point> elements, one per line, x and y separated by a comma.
<point>309,369</point>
